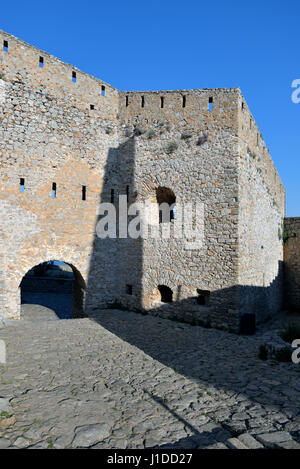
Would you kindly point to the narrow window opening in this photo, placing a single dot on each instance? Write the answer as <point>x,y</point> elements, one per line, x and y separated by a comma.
<point>210,104</point>
<point>103,90</point>
<point>22,185</point>
<point>112,196</point>
<point>183,101</point>
<point>129,289</point>
<point>54,190</point>
<point>166,294</point>
<point>92,107</point>
<point>41,62</point>
<point>143,101</point>
<point>5,46</point>
<point>127,192</point>
<point>243,105</point>
<point>127,101</point>
<point>162,101</point>
<point>166,200</point>
<point>83,194</point>
<point>74,78</point>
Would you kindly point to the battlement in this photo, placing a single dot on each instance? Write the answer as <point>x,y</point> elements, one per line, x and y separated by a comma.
<point>42,72</point>
<point>69,141</point>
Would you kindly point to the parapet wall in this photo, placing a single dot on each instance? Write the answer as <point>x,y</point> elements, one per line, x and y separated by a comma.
<point>292,262</point>
<point>21,63</point>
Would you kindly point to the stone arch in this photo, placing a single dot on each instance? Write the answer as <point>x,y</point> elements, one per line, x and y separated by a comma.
<point>78,288</point>
<point>22,264</point>
<point>166,293</point>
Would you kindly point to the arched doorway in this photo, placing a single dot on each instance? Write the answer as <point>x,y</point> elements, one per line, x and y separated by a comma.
<point>55,285</point>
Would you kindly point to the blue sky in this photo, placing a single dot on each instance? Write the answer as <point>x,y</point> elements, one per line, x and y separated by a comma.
<point>149,45</point>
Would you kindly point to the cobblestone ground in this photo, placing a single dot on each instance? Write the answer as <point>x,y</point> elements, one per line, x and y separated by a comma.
<point>123,380</point>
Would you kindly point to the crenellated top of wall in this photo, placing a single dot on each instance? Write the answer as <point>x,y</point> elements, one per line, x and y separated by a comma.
<point>20,62</point>
<point>254,150</point>
<point>207,110</point>
<point>213,108</point>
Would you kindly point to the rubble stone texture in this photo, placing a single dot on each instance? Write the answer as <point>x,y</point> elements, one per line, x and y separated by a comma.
<point>292,262</point>
<point>61,126</point>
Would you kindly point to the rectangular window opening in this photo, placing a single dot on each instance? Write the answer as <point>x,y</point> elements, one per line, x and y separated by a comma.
<point>74,78</point>
<point>127,192</point>
<point>92,107</point>
<point>22,185</point>
<point>183,101</point>
<point>143,101</point>
<point>41,62</point>
<point>83,194</point>
<point>127,101</point>
<point>210,104</point>
<point>129,289</point>
<point>5,46</point>
<point>162,101</point>
<point>112,196</point>
<point>54,190</point>
<point>103,90</point>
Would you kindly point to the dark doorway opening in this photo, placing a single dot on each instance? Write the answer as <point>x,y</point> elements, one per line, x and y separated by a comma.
<point>166,294</point>
<point>56,285</point>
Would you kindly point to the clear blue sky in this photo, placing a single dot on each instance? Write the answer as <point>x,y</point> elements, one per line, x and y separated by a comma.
<point>170,44</point>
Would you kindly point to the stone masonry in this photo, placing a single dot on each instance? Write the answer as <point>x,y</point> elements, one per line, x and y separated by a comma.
<point>65,131</point>
<point>292,262</point>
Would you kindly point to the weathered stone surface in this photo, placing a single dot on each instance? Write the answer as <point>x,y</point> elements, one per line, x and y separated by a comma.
<point>272,440</point>
<point>153,383</point>
<point>89,435</point>
<point>4,405</point>
<point>234,443</point>
<point>88,135</point>
<point>250,441</point>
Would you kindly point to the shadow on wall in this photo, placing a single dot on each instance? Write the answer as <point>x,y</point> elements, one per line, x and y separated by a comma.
<point>117,269</point>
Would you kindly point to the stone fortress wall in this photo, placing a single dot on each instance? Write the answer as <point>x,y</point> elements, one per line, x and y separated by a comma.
<point>200,145</point>
<point>292,262</point>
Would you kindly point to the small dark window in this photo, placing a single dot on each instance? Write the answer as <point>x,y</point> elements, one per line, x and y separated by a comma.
<point>83,193</point>
<point>92,107</point>
<point>103,90</point>
<point>129,289</point>
<point>165,293</point>
<point>127,192</point>
<point>112,196</point>
<point>22,185</point>
<point>162,101</point>
<point>243,105</point>
<point>210,104</point>
<point>54,190</point>
<point>183,101</point>
<point>41,62</point>
<point>203,297</point>
<point>127,101</point>
<point>143,101</point>
<point>74,78</point>
<point>5,46</point>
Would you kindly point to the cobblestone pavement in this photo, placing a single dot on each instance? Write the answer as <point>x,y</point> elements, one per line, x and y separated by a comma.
<point>124,380</point>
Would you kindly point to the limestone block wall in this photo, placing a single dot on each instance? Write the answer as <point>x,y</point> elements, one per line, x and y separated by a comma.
<point>292,262</point>
<point>261,214</point>
<point>49,134</point>
<point>202,168</point>
<point>61,128</point>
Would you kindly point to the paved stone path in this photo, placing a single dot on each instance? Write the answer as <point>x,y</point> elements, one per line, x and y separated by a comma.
<point>123,380</point>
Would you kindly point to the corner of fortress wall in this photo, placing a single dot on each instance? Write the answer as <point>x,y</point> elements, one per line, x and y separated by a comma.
<point>64,126</point>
